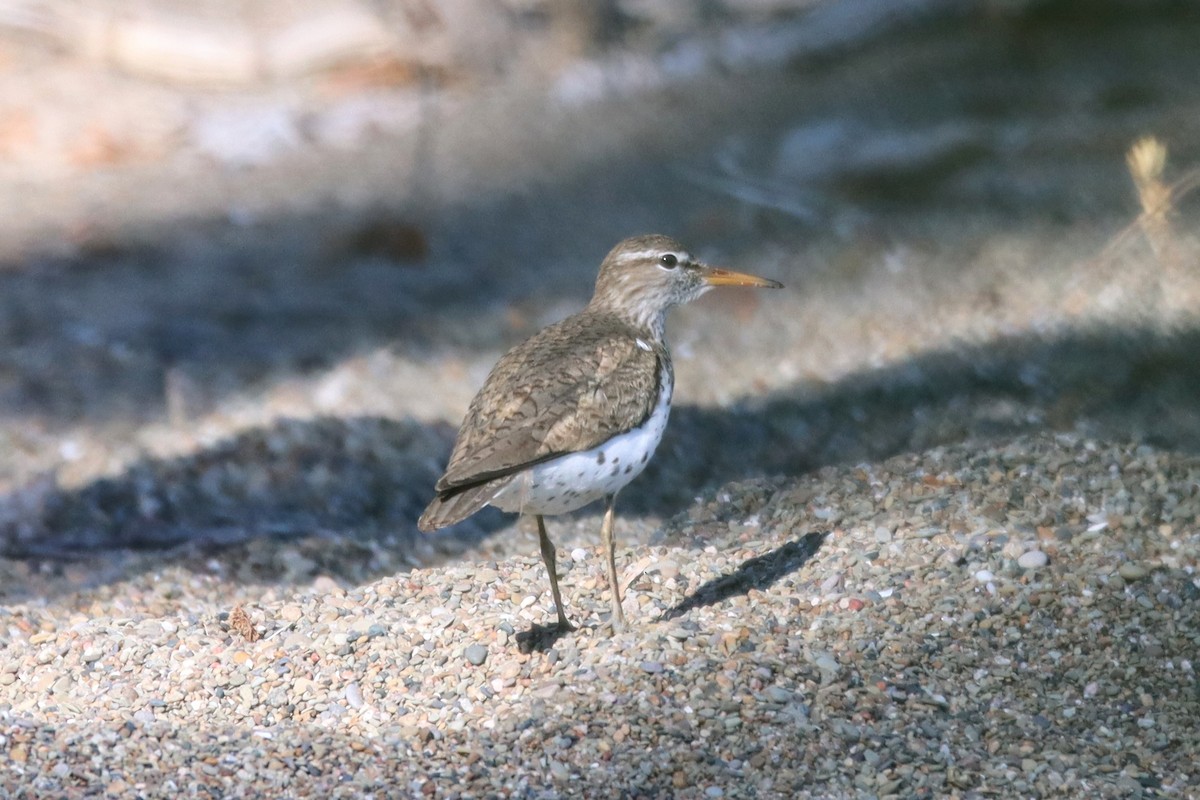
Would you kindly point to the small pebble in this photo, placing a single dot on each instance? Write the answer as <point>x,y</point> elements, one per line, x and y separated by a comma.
<point>476,654</point>
<point>1033,559</point>
<point>826,664</point>
<point>779,694</point>
<point>1130,571</point>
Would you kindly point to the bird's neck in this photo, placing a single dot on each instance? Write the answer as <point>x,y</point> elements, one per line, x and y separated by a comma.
<point>648,319</point>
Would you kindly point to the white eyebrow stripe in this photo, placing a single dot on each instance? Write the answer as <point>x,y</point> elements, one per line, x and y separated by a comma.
<point>684,257</point>
<point>643,345</point>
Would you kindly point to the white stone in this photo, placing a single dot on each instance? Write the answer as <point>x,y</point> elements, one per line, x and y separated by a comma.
<point>1033,559</point>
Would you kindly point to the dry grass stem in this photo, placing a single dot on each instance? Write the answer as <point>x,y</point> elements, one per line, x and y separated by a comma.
<point>1147,160</point>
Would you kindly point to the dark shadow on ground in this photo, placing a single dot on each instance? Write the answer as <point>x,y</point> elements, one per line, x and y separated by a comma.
<point>346,493</point>
<point>279,504</point>
<point>759,572</point>
<point>1122,385</point>
<point>539,638</point>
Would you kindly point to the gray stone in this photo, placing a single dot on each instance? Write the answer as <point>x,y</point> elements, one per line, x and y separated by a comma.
<point>476,654</point>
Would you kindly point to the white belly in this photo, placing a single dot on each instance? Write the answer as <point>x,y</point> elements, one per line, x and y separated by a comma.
<point>572,481</point>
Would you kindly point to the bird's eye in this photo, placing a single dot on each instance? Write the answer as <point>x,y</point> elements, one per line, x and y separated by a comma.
<point>669,261</point>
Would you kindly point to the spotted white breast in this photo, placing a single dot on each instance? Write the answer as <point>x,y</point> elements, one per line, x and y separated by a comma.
<point>572,481</point>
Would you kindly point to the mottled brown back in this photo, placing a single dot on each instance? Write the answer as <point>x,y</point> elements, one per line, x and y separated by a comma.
<point>571,387</point>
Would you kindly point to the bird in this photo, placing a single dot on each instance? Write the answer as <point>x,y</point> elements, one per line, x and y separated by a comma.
<point>573,414</point>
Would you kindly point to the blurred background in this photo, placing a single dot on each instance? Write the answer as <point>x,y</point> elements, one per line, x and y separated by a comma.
<point>256,257</point>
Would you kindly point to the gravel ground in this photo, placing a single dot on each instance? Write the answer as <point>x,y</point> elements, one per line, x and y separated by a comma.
<point>925,524</point>
<point>970,621</point>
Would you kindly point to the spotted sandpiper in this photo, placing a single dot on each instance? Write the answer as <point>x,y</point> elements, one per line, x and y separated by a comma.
<point>573,414</point>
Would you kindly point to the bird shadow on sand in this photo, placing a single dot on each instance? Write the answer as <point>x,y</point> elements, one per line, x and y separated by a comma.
<point>759,572</point>
<point>539,638</point>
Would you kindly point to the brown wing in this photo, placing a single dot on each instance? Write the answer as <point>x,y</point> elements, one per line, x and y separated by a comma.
<point>571,387</point>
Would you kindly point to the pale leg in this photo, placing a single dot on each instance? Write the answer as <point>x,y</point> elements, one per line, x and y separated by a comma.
<point>606,538</point>
<point>549,558</point>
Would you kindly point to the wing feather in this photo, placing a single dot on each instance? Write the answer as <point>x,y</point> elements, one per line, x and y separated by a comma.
<point>571,387</point>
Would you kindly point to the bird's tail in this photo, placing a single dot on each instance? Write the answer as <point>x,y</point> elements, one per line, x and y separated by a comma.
<point>451,507</point>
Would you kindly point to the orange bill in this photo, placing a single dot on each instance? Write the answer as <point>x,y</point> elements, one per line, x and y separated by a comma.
<point>715,276</point>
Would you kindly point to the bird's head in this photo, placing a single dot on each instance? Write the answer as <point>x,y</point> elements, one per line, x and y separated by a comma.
<point>644,276</point>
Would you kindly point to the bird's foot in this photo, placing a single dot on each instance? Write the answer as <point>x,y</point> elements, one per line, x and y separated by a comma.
<point>613,625</point>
